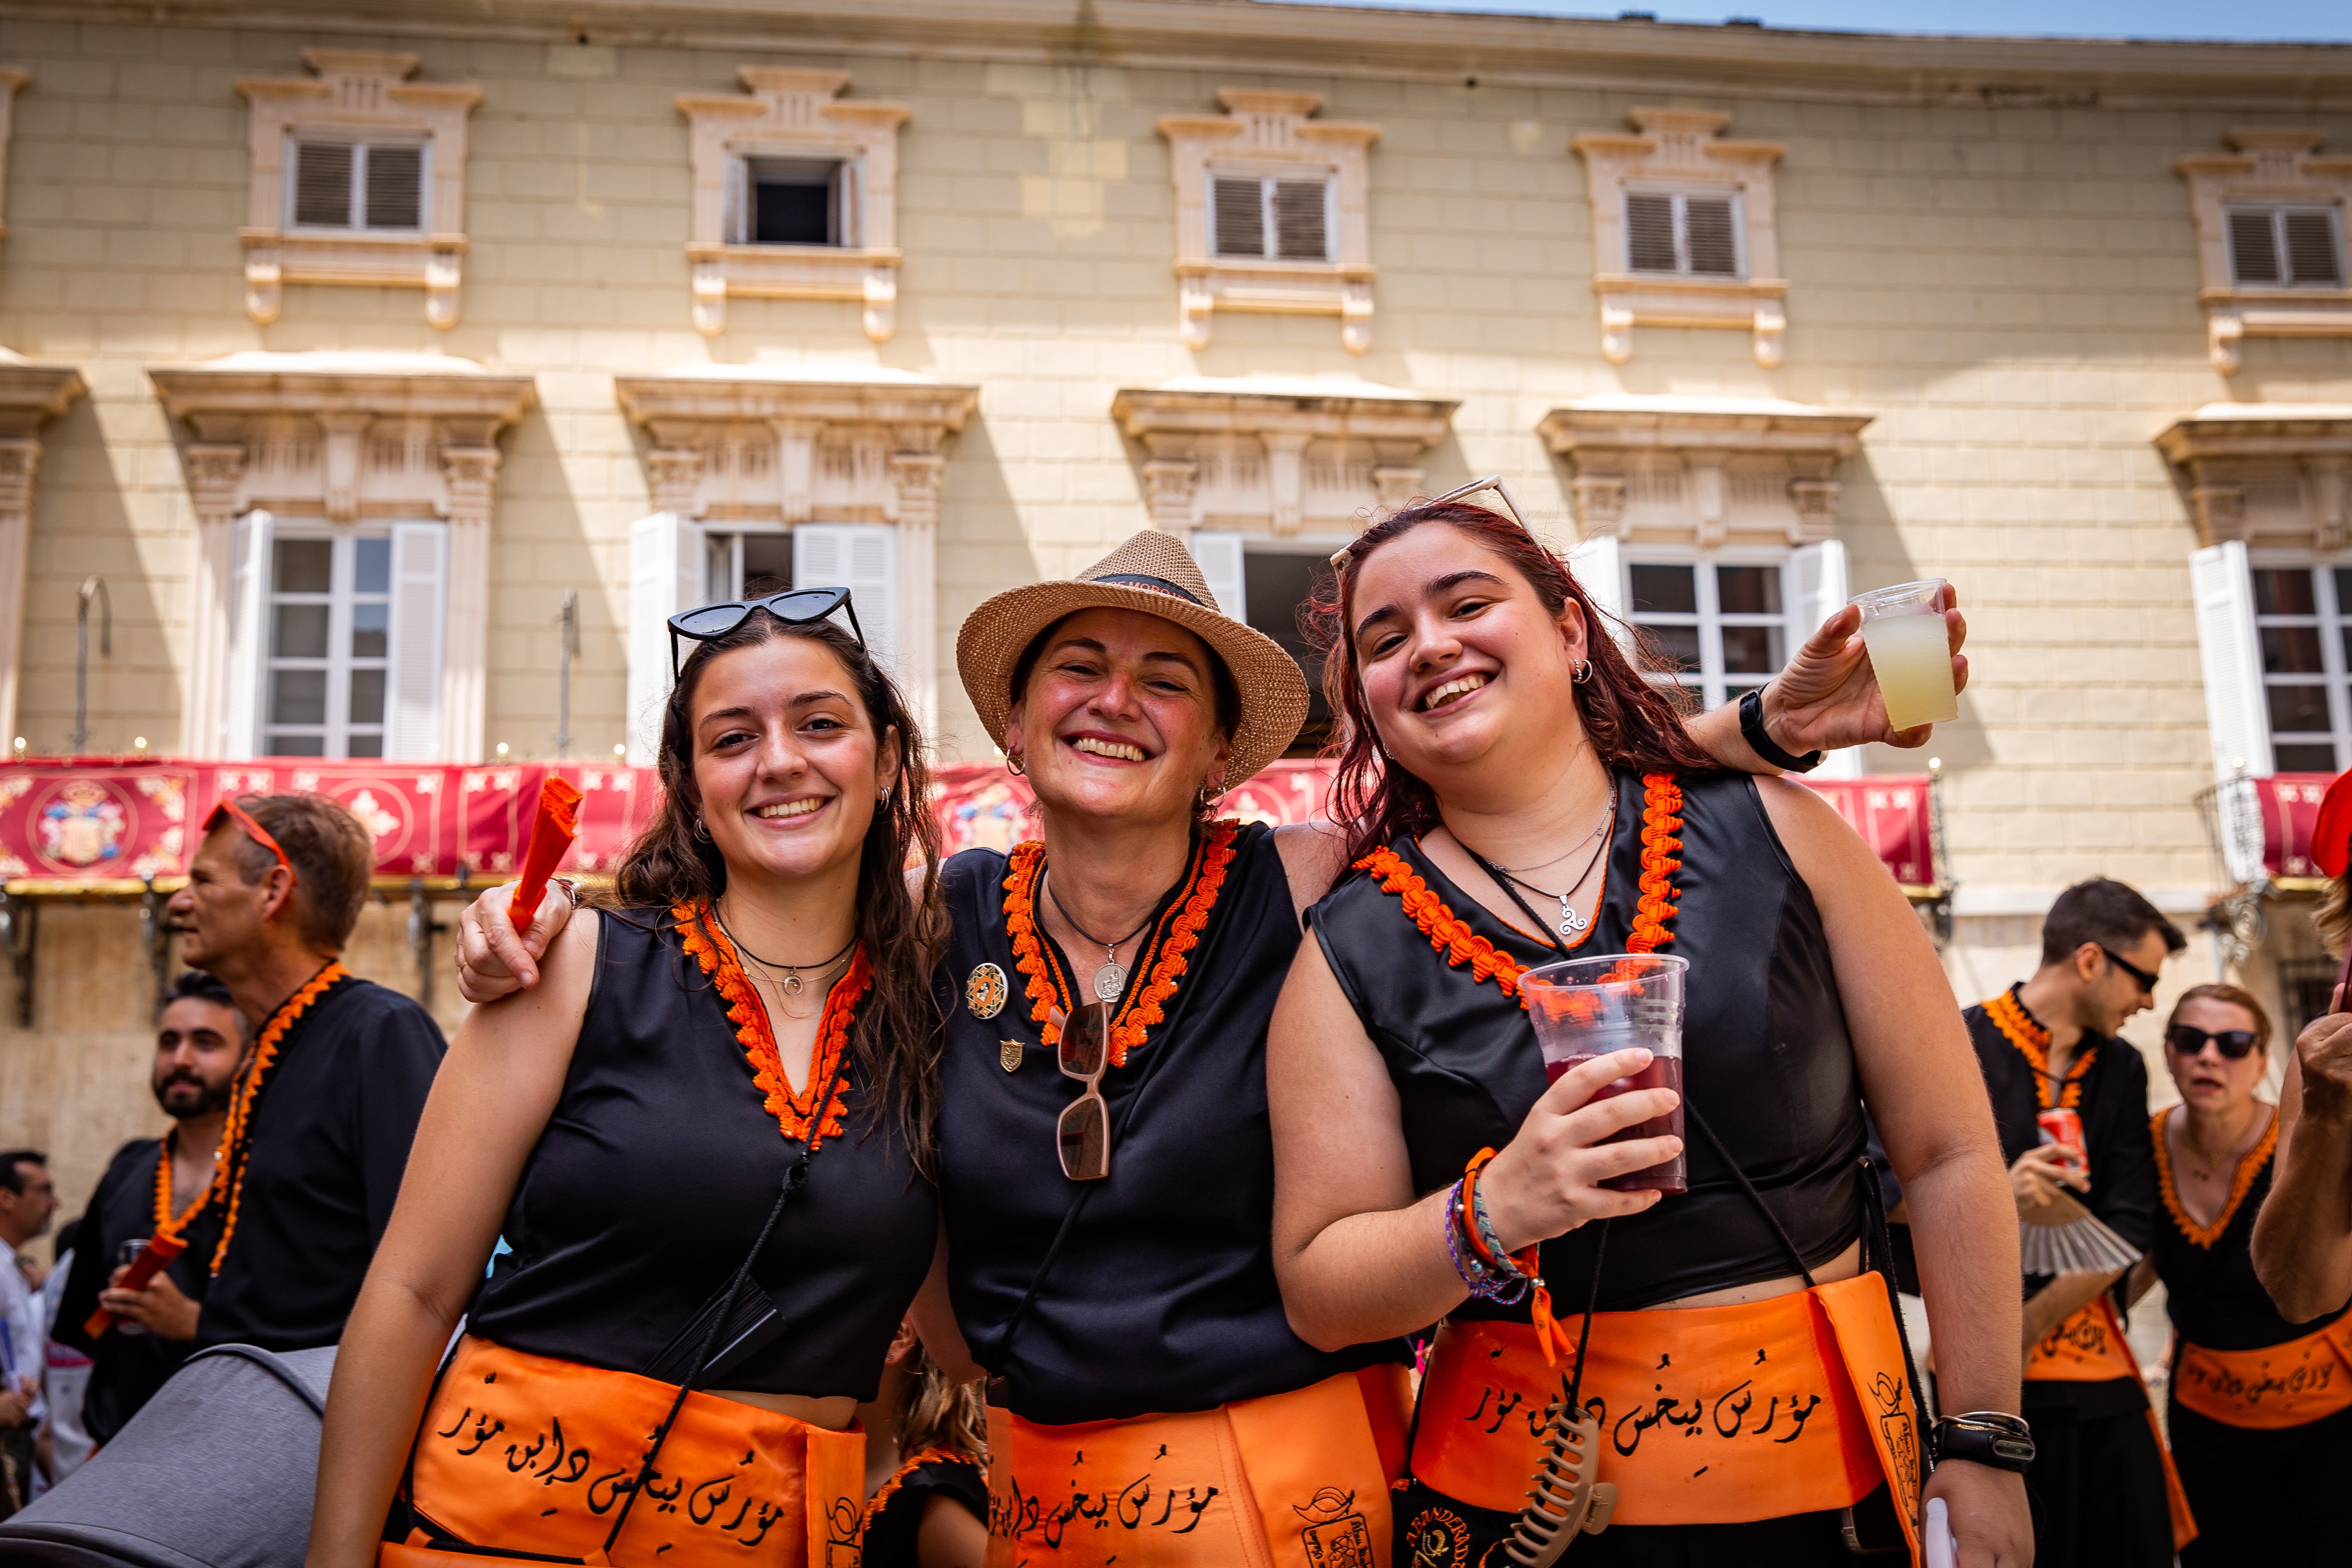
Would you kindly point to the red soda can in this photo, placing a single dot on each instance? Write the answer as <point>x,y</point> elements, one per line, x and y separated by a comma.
<point>2064,1128</point>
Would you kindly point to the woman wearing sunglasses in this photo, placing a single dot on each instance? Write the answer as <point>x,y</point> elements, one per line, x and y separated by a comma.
<point>2262,1408</point>
<point>1514,793</point>
<point>1106,1172</point>
<point>702,1138</point>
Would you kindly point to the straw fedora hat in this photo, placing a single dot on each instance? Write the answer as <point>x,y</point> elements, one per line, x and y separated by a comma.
<point>1152,572</point>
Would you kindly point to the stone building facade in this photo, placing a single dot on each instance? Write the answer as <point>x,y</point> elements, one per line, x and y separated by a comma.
<point>410,321</point>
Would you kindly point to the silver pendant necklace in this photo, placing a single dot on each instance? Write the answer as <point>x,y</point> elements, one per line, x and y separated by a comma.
<point>1571,924</point>
<point>1110,980</point>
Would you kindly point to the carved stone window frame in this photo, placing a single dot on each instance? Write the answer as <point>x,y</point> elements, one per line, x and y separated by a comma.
<point>342,436</point>
<point>792,113</point>
<point>1272,133</point>
<point>2274,165</point>
<point>356,93</point>
<point>30,396</point>
<point>1683,150</point>
<point>1742,471</point>
<point>1274,431</point>
<point>2271,475</point>
<point>11,81</point>
<point>728,444</point>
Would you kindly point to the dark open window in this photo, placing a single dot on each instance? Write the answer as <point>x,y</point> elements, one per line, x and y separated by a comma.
<point>1278,586</point>
<point>795,201</point>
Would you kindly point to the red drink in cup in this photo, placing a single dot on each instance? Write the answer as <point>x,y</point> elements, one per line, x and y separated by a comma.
<point>1588,1007</point>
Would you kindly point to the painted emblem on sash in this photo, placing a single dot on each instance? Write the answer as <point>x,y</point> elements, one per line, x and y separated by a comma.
<point>1009,1052</point>
<point>984,991</point>
<point>1438,1538</point>
<point>1335,1535</point>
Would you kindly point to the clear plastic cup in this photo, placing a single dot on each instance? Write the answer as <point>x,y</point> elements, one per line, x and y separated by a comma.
<point>1903,627</point>
<point>1588,1007</point>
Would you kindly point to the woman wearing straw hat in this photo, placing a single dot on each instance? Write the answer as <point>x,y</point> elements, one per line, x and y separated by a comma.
<point>1106,1171</point>
<point>1746,1397</point>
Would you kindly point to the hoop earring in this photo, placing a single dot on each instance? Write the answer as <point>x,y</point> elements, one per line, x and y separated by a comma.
<point>1581,671</point>
<point>1016,764</point>
<point>701,831</point>
<point>1211,791</point>
<point>884,799</point>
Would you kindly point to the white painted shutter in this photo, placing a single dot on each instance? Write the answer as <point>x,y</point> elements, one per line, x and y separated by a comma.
<point>861,557</point>
<point>1220,559</point>
<point>667,574</point>
<point>1818,588</point>
<point>248,632</point>
<point>2237,714</point>
<point>1599,567</point>
<point>420,593</point>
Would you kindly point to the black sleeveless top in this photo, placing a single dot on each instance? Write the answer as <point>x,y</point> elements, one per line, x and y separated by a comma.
<point>1162,1297</point>
<point>656,1172</point>
<point>2211,1291</point>
<point>1766,1055</point>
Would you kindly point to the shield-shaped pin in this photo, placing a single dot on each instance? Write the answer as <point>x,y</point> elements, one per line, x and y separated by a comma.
<point>1009,1052</point>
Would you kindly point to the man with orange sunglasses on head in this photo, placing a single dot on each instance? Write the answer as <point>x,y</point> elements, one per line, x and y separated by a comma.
<point>323,1115</point>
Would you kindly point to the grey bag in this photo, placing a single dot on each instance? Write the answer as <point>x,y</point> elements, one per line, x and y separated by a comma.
<point>217,1471</point>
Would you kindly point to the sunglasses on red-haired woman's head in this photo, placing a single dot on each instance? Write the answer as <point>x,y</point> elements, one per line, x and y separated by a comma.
<point>229,811</point>
<point>1491,482</point>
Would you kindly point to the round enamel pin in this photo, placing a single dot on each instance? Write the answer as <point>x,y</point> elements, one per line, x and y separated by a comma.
<point>984,991</point>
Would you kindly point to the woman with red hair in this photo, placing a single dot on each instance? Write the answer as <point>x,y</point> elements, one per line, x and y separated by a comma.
<point>1743,1383</point>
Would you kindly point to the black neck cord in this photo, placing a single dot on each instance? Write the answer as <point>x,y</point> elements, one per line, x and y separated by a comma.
<point>770,963</point>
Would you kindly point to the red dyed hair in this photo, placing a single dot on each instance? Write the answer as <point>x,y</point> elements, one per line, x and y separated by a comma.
<point>1630,722</point>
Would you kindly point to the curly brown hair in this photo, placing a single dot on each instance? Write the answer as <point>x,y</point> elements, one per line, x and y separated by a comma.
<point>1630,722</point>
<point>896,1042</point>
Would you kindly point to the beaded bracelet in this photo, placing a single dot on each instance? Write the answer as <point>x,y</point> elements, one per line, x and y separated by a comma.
<point>1484,1241</point>
<point>1476,1276</point>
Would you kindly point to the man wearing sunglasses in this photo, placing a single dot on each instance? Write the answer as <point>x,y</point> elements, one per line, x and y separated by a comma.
<point>2071,1103</point>
<point>321,1116</point>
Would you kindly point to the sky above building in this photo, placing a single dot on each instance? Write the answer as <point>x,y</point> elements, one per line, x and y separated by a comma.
<point>2327,21</point>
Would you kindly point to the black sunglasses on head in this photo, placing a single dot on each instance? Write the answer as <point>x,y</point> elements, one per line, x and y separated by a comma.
<point>2189,1040</point>
<point>795,606</point>
<point>2146,981</point>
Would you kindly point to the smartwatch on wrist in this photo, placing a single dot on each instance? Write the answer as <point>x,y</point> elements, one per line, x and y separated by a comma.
<point>1984,1437</point>
<point>1751,727</point>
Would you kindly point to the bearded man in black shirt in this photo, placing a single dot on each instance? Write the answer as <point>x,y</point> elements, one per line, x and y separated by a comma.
<point>320,1122</point>
<point>156,1186</point>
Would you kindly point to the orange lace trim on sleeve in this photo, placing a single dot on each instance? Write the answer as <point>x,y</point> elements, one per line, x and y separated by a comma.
<point>2242,1182</point>
<point>228,1176</point>
<point>1662,821</point>
<point>1164,959</point>
<point>899,1477</point>
<point>709,946</point>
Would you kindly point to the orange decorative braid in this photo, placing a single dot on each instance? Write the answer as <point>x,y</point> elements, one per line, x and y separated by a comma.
<point>899,1477</point>
<point>229,1173</point>
<point>165,1223</point>
<point>2242,1182</point>
<point>709,946</point>
<point>2033,1042</point>
<point>1161,959</point>
<point>1528,1261</point>
<point>1446,932</point>
<point>1662,824</point>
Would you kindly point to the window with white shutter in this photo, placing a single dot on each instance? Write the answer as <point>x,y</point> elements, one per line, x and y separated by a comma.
<point>1219,556</point>
<point>347,649</point>
<point>1598,563</point>
<point>1687,235</point>
<point>861,557</point>
<point>1275,587</point>
<point>2303,618</point>
<point>417,647</point>
<point>2286,246</point>
<point>1273,218</point>
<point>667,573</point>
<point>1714,628</point>
<point>1818,588</point>
<point>248,599</point>
<point>357,185</point>
<point>2232,657</point>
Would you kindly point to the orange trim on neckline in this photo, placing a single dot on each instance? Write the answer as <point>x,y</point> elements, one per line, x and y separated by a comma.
<point>2033,1042</point>
<point>899,1477</point>
<point>1658,902</point>
<point>2241,1180</point>
<point>164,1223</point>
<point>1163,959</point>
<point>793,1110</point>
<point>229,1173</point>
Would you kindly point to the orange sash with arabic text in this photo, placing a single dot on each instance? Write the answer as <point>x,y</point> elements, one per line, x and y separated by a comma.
<point>2090,1347</point>
<point>2292,1384</point>
<point>1709,1415</point>
<point>1292,1480</point>
<point>528,1454</point>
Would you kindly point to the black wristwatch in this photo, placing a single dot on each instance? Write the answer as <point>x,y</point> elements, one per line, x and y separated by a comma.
<point>1984,1437</point>
<point>1751,726</point>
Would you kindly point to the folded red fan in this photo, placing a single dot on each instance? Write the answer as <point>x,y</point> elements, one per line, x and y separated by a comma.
<point>159,1251</point>
<point>552,829</point>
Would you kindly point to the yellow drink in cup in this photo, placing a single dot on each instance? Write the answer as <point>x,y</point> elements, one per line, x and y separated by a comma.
<point>1903,627</point>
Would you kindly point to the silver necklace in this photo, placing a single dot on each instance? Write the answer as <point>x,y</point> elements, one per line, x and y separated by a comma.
<point>1570,923</point>
<point>790,984</point>
<point>1110,980</point>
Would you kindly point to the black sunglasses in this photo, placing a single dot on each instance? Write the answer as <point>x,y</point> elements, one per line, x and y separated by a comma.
<point>2146,981</point>
<point>795,606</point>
<point>2189,1040</point>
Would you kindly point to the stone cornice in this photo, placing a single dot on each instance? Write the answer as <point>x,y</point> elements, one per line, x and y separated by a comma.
<point>1695,424</point>
<point>2259,430</point>
<point>887,398</point>
<point>32,395</point>
<point>1329,41</point>
<point>1252,404</point>
<point>384,385</point>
